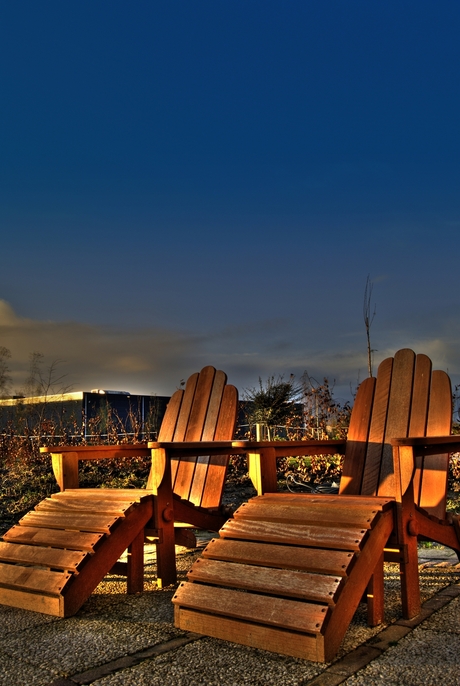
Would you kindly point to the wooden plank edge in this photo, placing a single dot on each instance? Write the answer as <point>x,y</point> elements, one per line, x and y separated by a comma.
<point>26,600</point>
<point>282,641</point>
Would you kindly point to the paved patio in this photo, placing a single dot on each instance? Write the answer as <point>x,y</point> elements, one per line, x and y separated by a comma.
<point>131,640</point>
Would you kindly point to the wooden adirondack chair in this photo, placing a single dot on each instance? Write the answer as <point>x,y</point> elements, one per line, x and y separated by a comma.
<point>289,570</point>
<point>58,553</point>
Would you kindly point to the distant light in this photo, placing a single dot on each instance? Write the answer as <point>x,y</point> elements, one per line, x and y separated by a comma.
<point>101,391</point>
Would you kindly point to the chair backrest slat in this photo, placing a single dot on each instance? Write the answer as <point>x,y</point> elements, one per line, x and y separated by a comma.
<point>358,434</point>
<point>215,401</point>
<point>420,396</point>
<point>398,417</point>
<point>434,474</point>
<point>228,410</point>
<point>186,408</point>
<point>168,425</point>
<point>419,416</point>
<point>199,408</point>
<point>377,429</point>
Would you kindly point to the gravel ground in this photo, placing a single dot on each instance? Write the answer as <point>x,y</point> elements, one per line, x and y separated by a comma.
<point>210,662</point>
<point>47,651</point>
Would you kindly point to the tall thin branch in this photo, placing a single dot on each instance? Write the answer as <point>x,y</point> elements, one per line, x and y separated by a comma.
<point>368,319</point>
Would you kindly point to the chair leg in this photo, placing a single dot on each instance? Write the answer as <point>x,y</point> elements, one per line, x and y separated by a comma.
<point>135,570</point>
<point>163,509</point>
<point>410,583</point>
<point>166,556</point>
<point>375,604</point>
<point>456,524</point>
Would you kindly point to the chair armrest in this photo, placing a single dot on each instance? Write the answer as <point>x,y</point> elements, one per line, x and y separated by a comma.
<point>298,448</point>
<point>181,448</point>
<point>99,452</point>
<point>430,445</point>
<point>65,458</point>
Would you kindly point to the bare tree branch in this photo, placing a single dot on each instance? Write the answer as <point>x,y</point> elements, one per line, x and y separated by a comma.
<point>368,319</point>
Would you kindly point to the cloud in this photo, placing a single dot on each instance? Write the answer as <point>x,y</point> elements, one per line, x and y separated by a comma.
<point>8,318</point>
<point>155,359</point>
<point>139,360</point>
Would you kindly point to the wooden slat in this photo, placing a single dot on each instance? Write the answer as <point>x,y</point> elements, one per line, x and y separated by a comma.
<point>292,643</point>
<point>45,557</point>
<point>99,452</point>
<point>435,468</point>
<point>201,400</point>
<point>69,521</point>
<point>182,469</point>
<point>35,602</point>
<point>33,579</point>
<point>377,428</point>
<point>311,536</point>
<point>168,424</point>
<point>101,507</point>
<point>53,537</point>
<point>199,480</point>
<point>213,409</point>
<point>121,495</point>
<point>355,501</point>
<point>281,582</point>
<point>227,415</point>
<point>215,480</point>
<point>358,433</point>
<point>420,396</point>
<point>175,462</point>
<point>399,407</point>
<point>308,513</point>
<point>184,476</point>
<point>419,412</point>
<point>185,409</point>
<point>284,556</point>
<point>440,409</point>
<point>280,612</point>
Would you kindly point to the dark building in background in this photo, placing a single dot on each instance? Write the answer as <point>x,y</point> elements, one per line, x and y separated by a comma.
<point>85,415</point>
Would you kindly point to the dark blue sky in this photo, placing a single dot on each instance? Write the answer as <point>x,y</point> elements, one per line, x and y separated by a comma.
<point>186,183</point>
